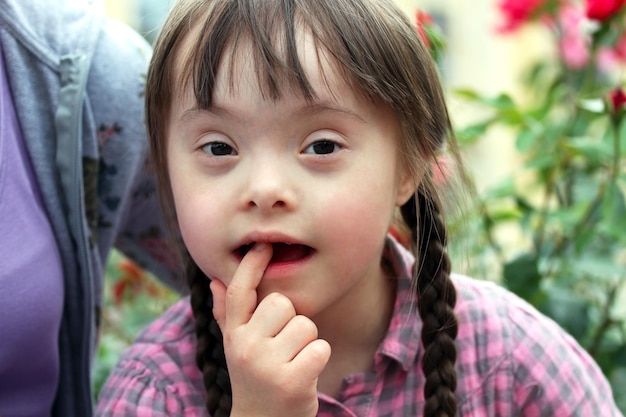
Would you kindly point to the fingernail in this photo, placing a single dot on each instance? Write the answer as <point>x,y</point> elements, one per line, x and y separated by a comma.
<point>260,246</point>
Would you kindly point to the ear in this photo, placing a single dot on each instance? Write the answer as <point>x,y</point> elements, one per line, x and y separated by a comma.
<point>407,185</point>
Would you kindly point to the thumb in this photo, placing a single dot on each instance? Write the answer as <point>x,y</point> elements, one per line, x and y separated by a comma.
<point>218,289</point>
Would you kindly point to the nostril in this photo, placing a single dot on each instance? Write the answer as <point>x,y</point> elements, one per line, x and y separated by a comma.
<point>263,203</point>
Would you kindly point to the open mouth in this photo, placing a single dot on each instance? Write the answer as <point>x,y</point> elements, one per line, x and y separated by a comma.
<point>282,252</point>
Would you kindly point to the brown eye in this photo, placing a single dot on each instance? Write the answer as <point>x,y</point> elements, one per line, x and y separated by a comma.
<point>322,147</point>
<point>218,149</point>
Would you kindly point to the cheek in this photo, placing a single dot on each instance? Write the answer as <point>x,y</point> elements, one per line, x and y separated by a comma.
<point>193,224</point>
<point>202,237</point>
<point>362,215</point>
<point>363,222</point>
<point>199,219</point>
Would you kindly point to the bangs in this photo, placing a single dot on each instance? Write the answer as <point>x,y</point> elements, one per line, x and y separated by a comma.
<point>267,33</point>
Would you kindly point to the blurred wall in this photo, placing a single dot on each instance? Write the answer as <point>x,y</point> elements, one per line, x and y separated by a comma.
<point>146,16</point>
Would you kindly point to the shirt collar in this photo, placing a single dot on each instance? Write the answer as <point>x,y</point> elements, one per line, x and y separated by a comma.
<point>402,342</point>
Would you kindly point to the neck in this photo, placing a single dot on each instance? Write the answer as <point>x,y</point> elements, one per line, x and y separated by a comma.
<point>355,329</point>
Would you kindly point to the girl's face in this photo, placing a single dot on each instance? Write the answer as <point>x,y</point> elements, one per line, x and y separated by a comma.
<point>319,180</point>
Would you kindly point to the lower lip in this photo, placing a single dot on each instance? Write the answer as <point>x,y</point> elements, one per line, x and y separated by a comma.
<point>284,270</point>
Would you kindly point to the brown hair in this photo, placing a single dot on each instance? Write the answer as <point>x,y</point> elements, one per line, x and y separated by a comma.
<point>378,50</point>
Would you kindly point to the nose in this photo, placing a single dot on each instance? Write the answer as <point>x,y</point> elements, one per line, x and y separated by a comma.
<point>270,186</point>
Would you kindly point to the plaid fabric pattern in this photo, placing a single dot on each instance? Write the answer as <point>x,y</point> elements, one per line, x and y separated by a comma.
<point>512,361</point>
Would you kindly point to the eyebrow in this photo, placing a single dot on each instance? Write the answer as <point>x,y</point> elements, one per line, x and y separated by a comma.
<point>317,108</point>
<point>192,112</point>
<point>309,110</point>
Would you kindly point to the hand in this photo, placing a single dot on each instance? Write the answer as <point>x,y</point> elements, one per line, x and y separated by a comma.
<point>274,356</point>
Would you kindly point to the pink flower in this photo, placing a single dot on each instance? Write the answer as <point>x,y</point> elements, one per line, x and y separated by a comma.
<point>574,52</point>
<point>573,45</point>
<point>610,58</point>
<point>517,12</point>
<point>603,9</point>
<point>422,20</point>
<point>617,97</point>
<point>442,168</point>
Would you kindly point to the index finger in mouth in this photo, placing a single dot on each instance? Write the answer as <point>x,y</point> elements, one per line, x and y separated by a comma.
<point>241,295</point>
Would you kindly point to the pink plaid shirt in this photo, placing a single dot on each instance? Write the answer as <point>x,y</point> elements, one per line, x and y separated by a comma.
<point>512,361</point>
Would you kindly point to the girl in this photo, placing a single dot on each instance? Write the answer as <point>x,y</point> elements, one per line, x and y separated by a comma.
<point>286,133</point>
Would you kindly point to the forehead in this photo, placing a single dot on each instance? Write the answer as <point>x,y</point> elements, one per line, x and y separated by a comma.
<point>319,76</point>
<point>288,64</point>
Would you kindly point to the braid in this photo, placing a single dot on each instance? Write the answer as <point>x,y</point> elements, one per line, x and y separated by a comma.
<point>210,347</point>
<point>437,297</point>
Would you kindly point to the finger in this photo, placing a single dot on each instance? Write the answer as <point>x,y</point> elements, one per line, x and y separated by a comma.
<point>241,295</point>
<point>271,315</point>
<point>218,289</point>
<point>297,333</point>
<point>311,360</point>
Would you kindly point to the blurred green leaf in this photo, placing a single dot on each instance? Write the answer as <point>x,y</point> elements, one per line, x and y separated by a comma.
<point>470,134</point>
<point>594,151</point>
<point>568,309</point>
<point>613,205</point>
<point>506,188</point>
<point>526,140</point>
<point>521,275</point>
<point>499,102</point>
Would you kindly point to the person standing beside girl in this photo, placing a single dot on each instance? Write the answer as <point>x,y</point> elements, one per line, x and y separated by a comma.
<point>286,135</point>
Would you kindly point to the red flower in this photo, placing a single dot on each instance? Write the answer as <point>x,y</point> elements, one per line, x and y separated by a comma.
<point>517,12</point>
<point>422,20</point>
<point>118,291</point>
<point>617,97</point>
<point>603,9</point>
<point>130,270</point>
<point>131,279</point>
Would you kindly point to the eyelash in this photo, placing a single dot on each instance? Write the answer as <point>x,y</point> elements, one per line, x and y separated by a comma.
<point>222,149</point>
<point>324,142</point>
<point>210,148</point>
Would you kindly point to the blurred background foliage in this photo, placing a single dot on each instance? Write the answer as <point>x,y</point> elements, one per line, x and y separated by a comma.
<point>132,299</point>
<point>551,227</point>
<point>565,205</point>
